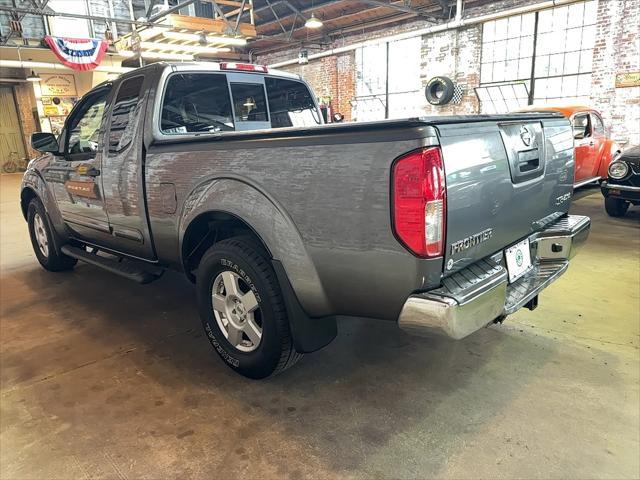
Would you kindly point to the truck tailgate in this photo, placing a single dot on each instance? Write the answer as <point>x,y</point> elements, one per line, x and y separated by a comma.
<point>507,177</point>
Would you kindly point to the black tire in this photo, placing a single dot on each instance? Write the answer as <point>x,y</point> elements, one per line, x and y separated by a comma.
<point>275,351</point>
<point>54,260</point>
<point>616,207</point>
<point>439,90</point>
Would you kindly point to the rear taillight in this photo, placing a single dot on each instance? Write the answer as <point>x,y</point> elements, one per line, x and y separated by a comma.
<point>419,201</point>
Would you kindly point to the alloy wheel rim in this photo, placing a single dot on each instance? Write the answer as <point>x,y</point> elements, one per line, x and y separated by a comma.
<point>237,312</point>
<point>41,235</point>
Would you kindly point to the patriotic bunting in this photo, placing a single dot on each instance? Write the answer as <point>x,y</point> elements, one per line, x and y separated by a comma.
<point>78,53</point>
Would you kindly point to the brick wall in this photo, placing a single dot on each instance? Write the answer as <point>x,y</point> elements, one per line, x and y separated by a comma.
<point>617,50</point>
<point>453,53</point>
<point>331,78</point>
<point>456,54</point>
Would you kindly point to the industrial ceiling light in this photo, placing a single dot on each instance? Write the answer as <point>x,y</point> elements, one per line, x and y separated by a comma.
<point>313,22</point>
<point>33,77</point>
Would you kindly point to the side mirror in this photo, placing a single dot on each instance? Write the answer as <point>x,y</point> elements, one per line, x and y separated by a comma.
<point>44,142</point>
<point>337,117</point>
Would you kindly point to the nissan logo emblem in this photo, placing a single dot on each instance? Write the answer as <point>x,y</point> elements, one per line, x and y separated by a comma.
<point>526,135</point>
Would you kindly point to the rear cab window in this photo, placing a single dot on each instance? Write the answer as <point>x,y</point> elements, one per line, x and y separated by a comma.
<point>291,104</point>
<point>249,103</point>
<point>211,102</point>
<point>196,103</point>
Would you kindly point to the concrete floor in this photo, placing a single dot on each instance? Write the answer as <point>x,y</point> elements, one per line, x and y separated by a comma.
<point>103,378</point>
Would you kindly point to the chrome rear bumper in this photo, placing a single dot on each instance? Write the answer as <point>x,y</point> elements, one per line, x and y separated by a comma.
<point>474,297</point>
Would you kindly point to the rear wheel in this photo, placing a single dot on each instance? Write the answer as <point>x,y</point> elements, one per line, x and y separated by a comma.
<point>45,246</point>
<point>242,309</point>
<point>615,207</point>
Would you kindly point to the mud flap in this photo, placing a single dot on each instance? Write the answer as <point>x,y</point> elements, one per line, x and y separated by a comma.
<point>309,334</point>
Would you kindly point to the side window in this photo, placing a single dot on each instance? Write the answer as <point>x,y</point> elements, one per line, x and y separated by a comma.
<point>290,104</point>
<point>249,103</point>
<point>581,126</point>
<point>196,102</point>
<point>598,126</point>
<point>84,127</point>
<point>124,118</point>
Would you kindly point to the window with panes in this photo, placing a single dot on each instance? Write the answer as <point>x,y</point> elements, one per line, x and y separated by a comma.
<point>549,51</point>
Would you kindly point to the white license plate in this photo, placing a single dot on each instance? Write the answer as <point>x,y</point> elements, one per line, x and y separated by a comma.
<point>518,260</point>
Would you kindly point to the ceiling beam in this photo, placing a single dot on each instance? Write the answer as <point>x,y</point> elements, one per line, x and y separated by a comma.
<point>429,15</point>
<point>394,6</point>
<point>275,23</point>
<point>293,8</point>
<point>169,11</point>
<point>354,27</point>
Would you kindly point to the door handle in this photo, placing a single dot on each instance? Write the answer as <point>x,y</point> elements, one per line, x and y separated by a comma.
<point>93,172</point>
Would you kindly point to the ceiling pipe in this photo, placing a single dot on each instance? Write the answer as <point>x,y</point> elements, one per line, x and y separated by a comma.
<point>458,23</point>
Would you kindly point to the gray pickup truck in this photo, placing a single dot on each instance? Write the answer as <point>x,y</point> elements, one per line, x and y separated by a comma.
<point>226,173</point>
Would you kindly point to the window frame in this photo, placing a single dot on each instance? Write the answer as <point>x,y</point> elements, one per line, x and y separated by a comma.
<point>299,82</point>
<point>165,79</point>
<point>116,92</point>
<point>238,119</point>
<point>589,125</point>
<point>576,65</point>
<point>90,97</point>
<point>593,130</point>
<point>158,99</point>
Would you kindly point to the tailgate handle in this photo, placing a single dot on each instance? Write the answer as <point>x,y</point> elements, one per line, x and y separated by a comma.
<point>528,161</point>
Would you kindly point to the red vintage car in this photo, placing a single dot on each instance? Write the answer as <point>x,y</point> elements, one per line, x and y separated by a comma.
<point>593,150</point>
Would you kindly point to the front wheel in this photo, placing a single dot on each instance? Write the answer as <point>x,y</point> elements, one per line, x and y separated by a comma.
<point>615,207</point>
<point>42,239</point>
<point>242,309</point>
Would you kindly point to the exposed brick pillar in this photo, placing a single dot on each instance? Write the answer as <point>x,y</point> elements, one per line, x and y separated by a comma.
<point>617,50</point>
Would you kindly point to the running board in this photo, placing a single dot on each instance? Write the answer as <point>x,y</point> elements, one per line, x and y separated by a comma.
<point>130,269</point>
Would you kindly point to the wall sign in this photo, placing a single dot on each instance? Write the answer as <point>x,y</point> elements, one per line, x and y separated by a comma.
<point>58,85</point>
<point>630,79</point>
<point>58,106</point>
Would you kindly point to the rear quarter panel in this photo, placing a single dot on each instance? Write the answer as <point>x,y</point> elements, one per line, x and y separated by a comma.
<point>320,202</point>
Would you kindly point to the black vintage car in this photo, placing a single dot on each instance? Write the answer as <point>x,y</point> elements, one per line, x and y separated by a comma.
<point>622,186</point>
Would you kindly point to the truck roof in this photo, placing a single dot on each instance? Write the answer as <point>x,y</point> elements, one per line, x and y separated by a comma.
<point>230,67</point>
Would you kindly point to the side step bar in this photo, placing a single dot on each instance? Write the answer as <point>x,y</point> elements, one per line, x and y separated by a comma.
<point>128,269</point>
